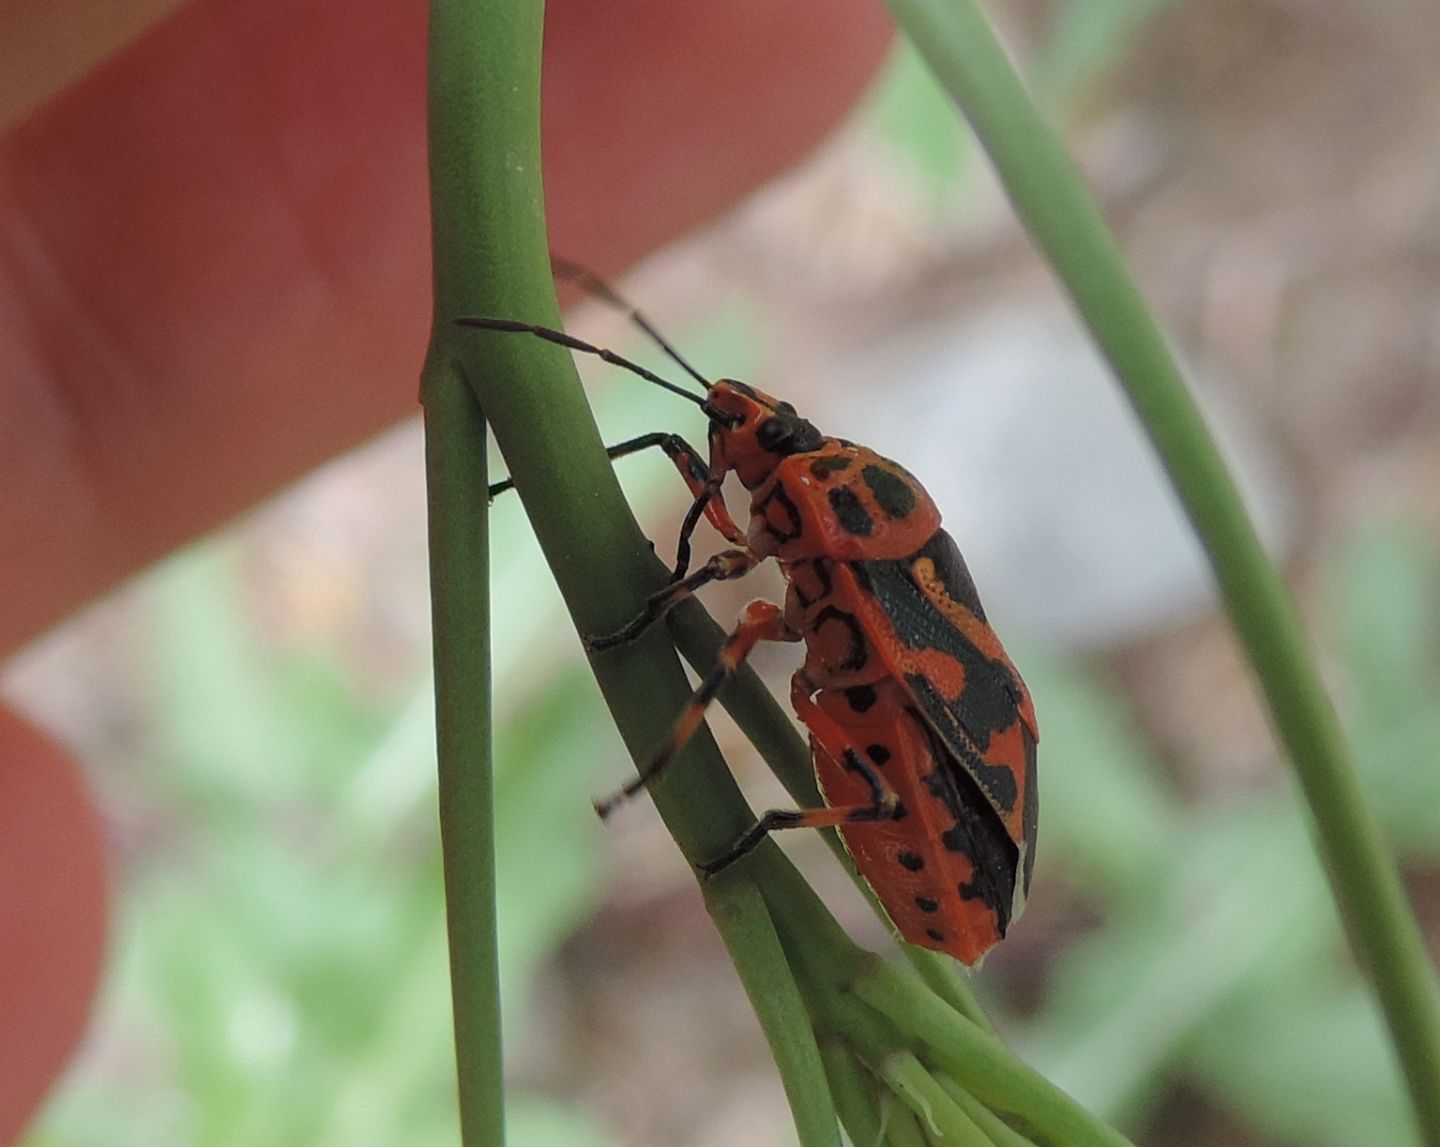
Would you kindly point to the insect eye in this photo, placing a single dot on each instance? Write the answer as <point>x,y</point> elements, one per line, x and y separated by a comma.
<point>774,434</point>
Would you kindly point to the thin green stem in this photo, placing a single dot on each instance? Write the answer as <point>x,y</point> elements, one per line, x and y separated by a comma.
<point>942,976</point>
<point>902,1126</point>
<point>837,977</point>
<point>761,964</point>
<point>981,1064</point>
<point>484,86</point>
<point>459,580</point>
<point>1000,1132</point>
<point>854,1090</point>
<point>1056,207</point>
<point>936,1109</point>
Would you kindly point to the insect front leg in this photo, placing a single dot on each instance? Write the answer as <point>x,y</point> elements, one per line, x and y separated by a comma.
<point>832,738</point>
<point>694,471</point>
<point>761,621</point>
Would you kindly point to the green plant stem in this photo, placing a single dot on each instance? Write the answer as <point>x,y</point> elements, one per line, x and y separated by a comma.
<point>459,570</point>
<point>483,93</point>
<point>854,1090</point>
<point>491,258</point>
<point>980,1063</point>
<point>1000,1132</point>
<point>763,969</point>
<point>1056,207</point>
<point>902,1126</point>
<point>947,1122</point>
<point>836,977</point>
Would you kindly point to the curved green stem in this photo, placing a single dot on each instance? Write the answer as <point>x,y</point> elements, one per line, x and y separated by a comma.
<point>981,1064</point>
<point>946,1120</point>
<point>763,969</point>
<point>1000,1132</point>
<point>491,258</point>
<point>1056,207</point>
<point>854,1090</point>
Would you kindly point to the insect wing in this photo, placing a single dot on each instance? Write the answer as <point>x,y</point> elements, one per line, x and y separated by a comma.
<point>955,669</point>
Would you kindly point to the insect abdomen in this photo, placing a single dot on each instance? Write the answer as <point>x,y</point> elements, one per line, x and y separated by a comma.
<point>945,868</point>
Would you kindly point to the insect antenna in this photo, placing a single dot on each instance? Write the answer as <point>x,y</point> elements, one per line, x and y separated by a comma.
<point>587,280</point>
<point>560,338</point>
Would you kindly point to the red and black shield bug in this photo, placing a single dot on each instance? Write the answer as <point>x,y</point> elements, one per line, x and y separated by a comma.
<point>922,732</point>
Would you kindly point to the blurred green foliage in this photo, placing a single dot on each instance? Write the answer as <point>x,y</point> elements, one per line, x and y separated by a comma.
<point>1071,54</point>
<point>279,973</point>
<point>1220,957</point>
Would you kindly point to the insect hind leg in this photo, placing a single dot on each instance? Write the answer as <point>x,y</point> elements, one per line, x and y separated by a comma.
<point>761,621</point>
<point>885,807</point>
<point>830,737</point>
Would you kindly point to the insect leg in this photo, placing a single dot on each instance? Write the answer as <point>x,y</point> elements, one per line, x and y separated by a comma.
<point>780,818</point>
<point>696,473</point>
<point>680,451</point>
<point>761,621</point>
<point>723,566</point>
<point>832,738</point>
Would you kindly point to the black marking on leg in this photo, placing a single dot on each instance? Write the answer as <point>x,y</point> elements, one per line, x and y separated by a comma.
<point>711,685</point>
<point>692,519</point>
<point>880,795</point>
<point>770,822</point>
<point>720,567</point>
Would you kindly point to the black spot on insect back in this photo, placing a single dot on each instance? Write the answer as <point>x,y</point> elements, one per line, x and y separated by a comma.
<point>893,494</point>
<point>877,753</point>
<point>851,515</point>
<point>912,861</point>
<point>926,904</point>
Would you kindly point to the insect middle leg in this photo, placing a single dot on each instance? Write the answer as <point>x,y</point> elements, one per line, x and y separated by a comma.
<point>830,737</point>
<point>761,621</point>
<point>723,566</point>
